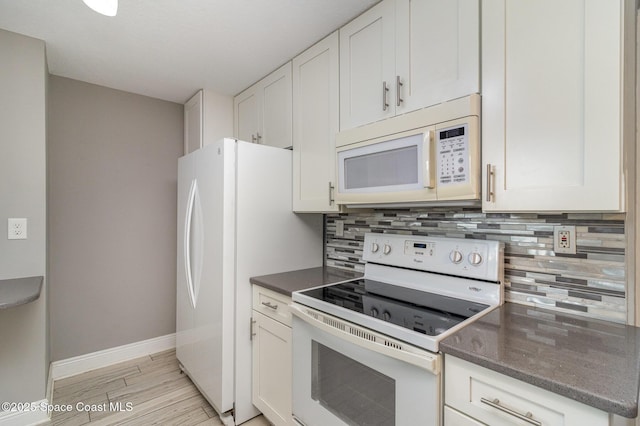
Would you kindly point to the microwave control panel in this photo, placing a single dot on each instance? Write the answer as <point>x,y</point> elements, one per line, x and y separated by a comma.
<point>452,151</point>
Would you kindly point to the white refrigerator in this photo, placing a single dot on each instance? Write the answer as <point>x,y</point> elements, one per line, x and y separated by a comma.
<point>234,222</point>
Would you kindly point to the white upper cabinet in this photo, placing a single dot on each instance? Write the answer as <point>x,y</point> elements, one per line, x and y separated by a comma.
<point>276,108</point>
<point>315,124</point>
<point>246,114</point>
<point>193,111</point>
<point>208,117</point>
<point>403,55</point>
<point>552,105</point>
<point>437,51</point>
<point>263,111</point>
<point>367,66</point>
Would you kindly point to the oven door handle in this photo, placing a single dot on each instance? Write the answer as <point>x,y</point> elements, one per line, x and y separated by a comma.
<point>423,359</point>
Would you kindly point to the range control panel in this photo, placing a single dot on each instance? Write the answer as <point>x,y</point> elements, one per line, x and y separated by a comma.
<point>419,248</point>
<point>480,259</point>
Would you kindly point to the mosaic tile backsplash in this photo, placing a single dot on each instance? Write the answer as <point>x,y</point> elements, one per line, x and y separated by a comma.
<point>590,282</point>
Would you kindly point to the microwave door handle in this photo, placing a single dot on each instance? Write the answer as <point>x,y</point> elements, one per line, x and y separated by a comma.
<point>429,166</point>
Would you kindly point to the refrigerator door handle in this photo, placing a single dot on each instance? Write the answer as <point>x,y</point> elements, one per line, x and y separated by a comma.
<point>191,201</point>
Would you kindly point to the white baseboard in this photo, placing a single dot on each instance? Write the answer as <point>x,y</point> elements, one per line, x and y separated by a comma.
<point>49,392</point>
<point>80,364</point>
<point>83,363</point>
<point>36,416</point>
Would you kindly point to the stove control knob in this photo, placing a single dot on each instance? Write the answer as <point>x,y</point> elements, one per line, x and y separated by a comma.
<point>374,247</point>
<point>475,259</point>
<point>387,249</point>
<point>386,315</point>
<point>455,256</point>
<point>374,312</point>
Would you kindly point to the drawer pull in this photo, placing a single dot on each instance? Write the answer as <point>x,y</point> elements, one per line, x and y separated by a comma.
<point>495,403</point>
<point>269,305</point>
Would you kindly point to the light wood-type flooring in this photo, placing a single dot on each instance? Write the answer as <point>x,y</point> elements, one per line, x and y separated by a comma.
<point>145,391</point>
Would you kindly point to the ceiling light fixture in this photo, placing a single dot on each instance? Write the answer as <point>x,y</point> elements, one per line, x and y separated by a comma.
<point>105,7</point>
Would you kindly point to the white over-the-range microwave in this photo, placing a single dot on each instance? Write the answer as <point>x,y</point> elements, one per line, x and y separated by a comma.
<point>426,157</point>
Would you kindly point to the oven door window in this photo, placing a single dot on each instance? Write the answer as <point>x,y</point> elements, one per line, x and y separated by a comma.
<point>344,386</point>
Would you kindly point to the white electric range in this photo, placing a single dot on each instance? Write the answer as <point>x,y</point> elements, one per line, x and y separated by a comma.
<point>365,351</point>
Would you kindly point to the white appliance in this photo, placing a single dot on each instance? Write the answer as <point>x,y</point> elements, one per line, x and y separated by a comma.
<point>234,222</point>
<point>427,156</point>
<point>365,351</point>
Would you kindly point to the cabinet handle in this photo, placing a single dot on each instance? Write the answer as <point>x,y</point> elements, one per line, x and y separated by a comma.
<point>254,139</point>
<point>385,90</point>
<point>527,417</point>
<point>269,305</point>
<point>399,85</point>
<point>490,183</point>
<point>251,333</point>
<point>259,137</point>
<point>331,188</point>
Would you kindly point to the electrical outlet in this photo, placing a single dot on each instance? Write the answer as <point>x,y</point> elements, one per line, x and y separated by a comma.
<point>339,228</point>
<point>564,239</point>
<point>16,228</point>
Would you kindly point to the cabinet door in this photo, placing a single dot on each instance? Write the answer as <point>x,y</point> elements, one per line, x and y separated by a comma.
<point>217,116</point>
<point>246,115</point>
<point>276,108</point>
<point>551,105</point>
<point>315,124</point>
<point>367,61</point>
<point>193,123</point>
<point>271,391</point>
<point>437,51</point>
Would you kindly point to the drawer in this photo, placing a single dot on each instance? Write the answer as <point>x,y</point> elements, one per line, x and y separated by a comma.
<point>272,304</point>
<point>456,418</point>
<point>495,399</point>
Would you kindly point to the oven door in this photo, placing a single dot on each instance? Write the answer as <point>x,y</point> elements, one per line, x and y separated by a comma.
<point>344,374</point>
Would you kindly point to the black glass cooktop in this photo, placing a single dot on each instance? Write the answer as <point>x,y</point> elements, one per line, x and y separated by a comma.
<point>423,312</point>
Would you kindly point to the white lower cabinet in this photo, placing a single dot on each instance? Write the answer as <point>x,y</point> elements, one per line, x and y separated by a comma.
<point>475,395</point>
<point>271,331</point>
<point>456,418</point>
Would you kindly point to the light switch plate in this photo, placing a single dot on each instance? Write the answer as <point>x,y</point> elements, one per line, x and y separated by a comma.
<point>17,228</point>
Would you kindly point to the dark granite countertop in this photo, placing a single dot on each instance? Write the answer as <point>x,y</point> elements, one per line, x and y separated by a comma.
<point>19,291</point>
<point>288,282</point>
<point>591,361</point>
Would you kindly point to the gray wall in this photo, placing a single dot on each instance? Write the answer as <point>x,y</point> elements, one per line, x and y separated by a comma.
<point>112,160</point>
<point>23,329</point>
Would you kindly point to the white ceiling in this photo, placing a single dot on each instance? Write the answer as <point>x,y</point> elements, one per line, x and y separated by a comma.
<point>169,49</point>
